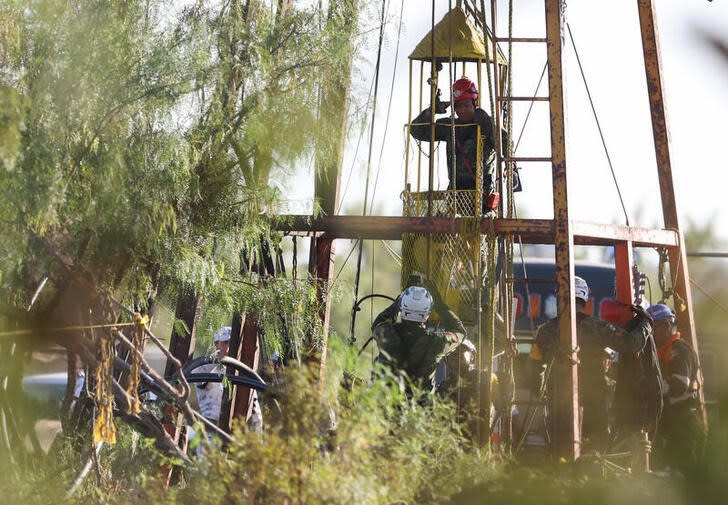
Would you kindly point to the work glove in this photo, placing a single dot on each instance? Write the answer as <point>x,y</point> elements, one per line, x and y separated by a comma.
<point>441,107</point>
<point>641,314</point>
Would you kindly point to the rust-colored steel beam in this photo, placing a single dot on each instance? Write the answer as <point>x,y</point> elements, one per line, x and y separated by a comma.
<point>321,267</point>
<point>566,435</point>
<point>245,347</point>
<point>623,261</point>
<point>655,90</point>
<point>532,231</point>
<point>660,131</point>
<point>181,345</point>
<point>586,233</point>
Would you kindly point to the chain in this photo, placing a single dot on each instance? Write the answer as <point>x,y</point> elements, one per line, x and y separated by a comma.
<point>661,277</point>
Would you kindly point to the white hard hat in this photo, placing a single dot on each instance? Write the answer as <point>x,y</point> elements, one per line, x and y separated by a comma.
<point>415,304</point>
<point>223,334</point>
<point>581,289</point>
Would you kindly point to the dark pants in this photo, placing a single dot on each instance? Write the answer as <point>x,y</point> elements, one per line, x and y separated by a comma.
<point>680,437</point>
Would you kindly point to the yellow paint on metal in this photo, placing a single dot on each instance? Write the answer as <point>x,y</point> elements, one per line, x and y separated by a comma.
<point>467,41</point>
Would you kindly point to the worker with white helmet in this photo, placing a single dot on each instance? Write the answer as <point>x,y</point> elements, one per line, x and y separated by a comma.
<point>681,435</point>
<point>594,336</point>
<point>209,394</point>
<point>407,346</point>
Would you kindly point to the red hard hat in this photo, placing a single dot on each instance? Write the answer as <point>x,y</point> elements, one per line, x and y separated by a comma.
<point>464,89</point>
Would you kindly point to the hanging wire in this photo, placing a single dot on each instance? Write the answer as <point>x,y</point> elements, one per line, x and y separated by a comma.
<point>452,104</point>
<point>708,295</point>
<point>397,258</point>
<point>369,158</point>
<point>341,269</point>
<point>356,154</point>
<point>389,107</point>
<point>599,127</point>
<point>530,107</point>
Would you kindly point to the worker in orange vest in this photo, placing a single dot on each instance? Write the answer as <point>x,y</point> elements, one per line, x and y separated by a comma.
<point>681,433</point>
<point>594,335</point>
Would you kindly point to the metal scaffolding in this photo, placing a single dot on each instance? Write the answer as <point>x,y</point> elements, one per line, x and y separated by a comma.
<point>562,231</point>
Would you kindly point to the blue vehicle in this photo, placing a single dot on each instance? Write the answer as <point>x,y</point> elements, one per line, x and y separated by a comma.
<point>536,299</point>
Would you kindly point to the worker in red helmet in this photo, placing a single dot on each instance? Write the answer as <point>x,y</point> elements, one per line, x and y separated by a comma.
<point>465,146</point>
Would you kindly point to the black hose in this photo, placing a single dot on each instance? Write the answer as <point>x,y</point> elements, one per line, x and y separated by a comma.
<point>226,360</point>
<point>238,380</point>
<point>356,308</point>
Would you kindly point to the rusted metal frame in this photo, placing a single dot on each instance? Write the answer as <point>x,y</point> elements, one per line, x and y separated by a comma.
<point>534,231</point>
<point>408,136</point>
<point>532,159</point>
<point>520,39</point>
<point>587,233</point>
<point>433,111</point>
<point>623,261</point>
<point>236,338</point>
<point>250,355</point>
<point>419,151</point>
<point>245,347</point>
<point>322,270</point>
<point>660,130</point>
<point>523,99</point>
<point>336,97</point>
<point>182,347</point>
<point>498,106</point>
<point>565,417</point>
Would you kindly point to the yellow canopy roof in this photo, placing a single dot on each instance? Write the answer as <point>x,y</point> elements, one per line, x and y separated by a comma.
<point>466,42</point>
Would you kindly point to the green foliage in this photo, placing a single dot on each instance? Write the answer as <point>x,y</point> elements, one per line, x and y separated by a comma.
<point>359,442</point>
<point>287,313</point>
<point>370,446</point>
<point>139,138</point>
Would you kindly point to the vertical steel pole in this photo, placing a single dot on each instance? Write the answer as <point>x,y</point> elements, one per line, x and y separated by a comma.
<point>660,131</point>
<point>623,266</point>
<point>245,347</point>
<point>565,417</point>
<point>409,120</point>
<point>182,347</point>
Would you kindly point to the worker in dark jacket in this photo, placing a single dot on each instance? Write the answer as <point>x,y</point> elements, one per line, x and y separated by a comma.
<point>681,434</point>
<point>406,345</point>
<point>593,337</point>
<point>465,145</point>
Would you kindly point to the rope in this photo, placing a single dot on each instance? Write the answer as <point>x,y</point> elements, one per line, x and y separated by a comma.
<point>487,65</point>
<point>599,127</point>
<point>530,107</point>
<point>397,258</point>
<point>356,154</point>
<point>137,341</point>
<point>490,315</point>
<point>508,287</point>
<point>453,154</point>
<point>709,296</point>
<point>668,292</point>
<point>104,429</point>
<point>64,328</point>
<point>389,107</point>
<point>344,264</point>
<point>369,158</point>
